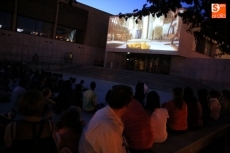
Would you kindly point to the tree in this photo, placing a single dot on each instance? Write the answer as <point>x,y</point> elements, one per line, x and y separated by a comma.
<point>197,16</point>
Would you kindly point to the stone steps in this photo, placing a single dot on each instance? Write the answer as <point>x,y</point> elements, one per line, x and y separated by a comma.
<point>194,141</point>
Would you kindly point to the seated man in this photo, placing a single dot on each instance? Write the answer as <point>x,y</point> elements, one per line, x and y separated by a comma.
<point>90,99</point>
<point>104,131</point>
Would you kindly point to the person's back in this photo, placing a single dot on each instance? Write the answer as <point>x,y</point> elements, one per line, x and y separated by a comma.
<point>225,102</point>
<point>78,96</point>
<point>106,125</point>
<point>177,117</point>
<point>138,131</point>
<point>158,122</point>
<point>69,140</point>
<point>140,92</point>
<point>194,109</point>
<point>64,98</point>
<point>194,114</point>
<point>215,108</point>
<point>104,132</point>
<point>32,134</point>
<point>69,130</point>
<point>32,137</point>
<point>178,112</point>
<point>158,115</point>
<point>203,99</point>
<point>90,99</point>
<point>17,93</point>
<point>214,104</point>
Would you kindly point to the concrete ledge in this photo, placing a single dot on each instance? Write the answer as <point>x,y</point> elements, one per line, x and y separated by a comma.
<point>192,141</point>
<point>206,140</point>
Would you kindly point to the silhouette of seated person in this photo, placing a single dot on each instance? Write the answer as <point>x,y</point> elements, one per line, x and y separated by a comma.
<point>90,99</point>
<point>31,133</point>
<point>107,97</point>
<point>69,130</point>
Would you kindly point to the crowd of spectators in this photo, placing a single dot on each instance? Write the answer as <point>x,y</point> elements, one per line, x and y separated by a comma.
<point>126,123</point>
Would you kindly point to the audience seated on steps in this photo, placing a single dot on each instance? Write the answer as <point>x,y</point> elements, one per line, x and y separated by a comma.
<point>82,85</point>
<point>49,103</point>
<point>225,103</point>
<point>194,109</point>
<point>17,93</point>
<point>107,96</point>
<point>158,115</point>
<point>63,100</point>
<point>202,98</point>
<point>77,96</point>
<point>141,90</point>
<point>103,134</point>
<point>90,99</point>
<point>214,104</point>
<point>137,128</point>
<point>202,95</point>
<point>32,133</point>
<point>177,109</point>
<point>69,130</point>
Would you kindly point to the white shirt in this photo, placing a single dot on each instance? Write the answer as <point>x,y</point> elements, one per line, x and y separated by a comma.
<point>89,100</point>
<point>158,122</point>
<point>215,108</point>
<point>103,134</point>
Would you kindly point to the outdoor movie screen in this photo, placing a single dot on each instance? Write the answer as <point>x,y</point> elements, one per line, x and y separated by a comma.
<point>151,34</point>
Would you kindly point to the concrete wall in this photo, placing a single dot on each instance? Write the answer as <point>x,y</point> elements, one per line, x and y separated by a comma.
<point>118,60</point>
<point>187,45</point>
<point>212,72</point>
<point>18,47</point>
<point>97,26</point>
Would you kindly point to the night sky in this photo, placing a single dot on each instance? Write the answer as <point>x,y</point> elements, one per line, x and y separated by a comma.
<point>116,6</point>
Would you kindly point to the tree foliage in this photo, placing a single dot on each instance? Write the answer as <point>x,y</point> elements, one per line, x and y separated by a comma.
<point>197,16</point>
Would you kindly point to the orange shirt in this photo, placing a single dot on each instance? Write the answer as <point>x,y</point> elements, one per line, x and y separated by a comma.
<point>177,117</point>
<point>138,131</point>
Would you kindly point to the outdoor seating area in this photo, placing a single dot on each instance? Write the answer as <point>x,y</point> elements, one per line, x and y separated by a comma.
<point>188,142</point>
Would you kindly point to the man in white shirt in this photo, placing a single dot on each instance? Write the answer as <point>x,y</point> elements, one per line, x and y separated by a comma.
<point>103,134</point>
<point>90,99</point>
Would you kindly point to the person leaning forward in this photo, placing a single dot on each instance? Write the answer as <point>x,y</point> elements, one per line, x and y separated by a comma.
<point>103,134</point>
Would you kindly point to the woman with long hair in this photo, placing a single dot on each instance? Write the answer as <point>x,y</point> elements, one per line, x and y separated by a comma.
<point>158,115</point>
<point>194,109</point>
<point>69,130</point>
<point>178,113</point>
<point>225,102</point>
<point>202,95</point>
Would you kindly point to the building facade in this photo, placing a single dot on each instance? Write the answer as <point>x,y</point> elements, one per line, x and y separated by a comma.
<point>162,45</point>
<point>52,29</point>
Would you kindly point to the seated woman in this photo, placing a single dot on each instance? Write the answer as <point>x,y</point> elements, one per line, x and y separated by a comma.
<point>214,104</point>
<point>69,130</point>
<point>177,109</point>
<point>202,95</point>
<point>32,133</point>
<point>159,117</point>
<point>194,109</point>
<point>138,131</point>
<point>49,103</point>
<point>141,91</point>
<point>225,102</point>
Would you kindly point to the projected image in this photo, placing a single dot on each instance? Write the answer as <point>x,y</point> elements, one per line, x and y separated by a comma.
<point>150,33</point>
